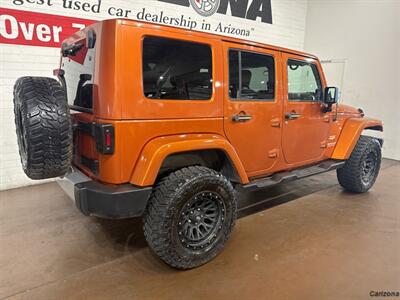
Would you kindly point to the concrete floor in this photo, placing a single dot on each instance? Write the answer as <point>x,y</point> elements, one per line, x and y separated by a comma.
<point>327,244</point>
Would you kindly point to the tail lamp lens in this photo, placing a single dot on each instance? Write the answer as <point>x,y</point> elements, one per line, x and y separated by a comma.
<point>108,139</point>
<point>105,138</point>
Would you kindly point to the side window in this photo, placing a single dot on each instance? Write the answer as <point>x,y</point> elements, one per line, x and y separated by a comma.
<point>174,69</point>
<point>304,81</point>
<point>251,76</point>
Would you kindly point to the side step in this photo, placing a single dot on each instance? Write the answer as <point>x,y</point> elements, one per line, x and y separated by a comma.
<point>286,176</point>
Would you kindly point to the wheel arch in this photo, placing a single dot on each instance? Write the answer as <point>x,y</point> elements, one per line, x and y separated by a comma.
<point>165,154</point>
<point>351,132</point>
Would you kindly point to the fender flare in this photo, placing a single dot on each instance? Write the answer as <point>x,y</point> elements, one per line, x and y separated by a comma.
<point>351,132</point>
<point>157,150</point>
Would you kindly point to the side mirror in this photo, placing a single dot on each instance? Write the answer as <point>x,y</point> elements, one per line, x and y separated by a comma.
<point>331,96</point>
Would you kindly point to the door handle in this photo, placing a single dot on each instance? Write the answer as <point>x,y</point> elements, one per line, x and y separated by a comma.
<point>292,116</point>
<point>241,118</point>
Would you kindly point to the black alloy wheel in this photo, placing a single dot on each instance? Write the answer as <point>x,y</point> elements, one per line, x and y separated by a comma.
<point>369,166</point>
<point>201,220</point>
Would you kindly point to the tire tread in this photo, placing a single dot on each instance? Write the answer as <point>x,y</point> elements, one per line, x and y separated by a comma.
<point>48,131</point>
<point>349,176</point>
<point>158,215</point>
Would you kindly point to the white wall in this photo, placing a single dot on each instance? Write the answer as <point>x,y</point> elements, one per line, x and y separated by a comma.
<point>288,29</point>
<point>366,34</point>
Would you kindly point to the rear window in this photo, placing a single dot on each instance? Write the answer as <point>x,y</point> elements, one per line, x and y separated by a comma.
<point>174,69</point>
<point>78,69</point>
<point>251,76</point>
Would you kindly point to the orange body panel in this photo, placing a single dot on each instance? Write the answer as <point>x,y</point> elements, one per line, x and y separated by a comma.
<point>149,130</point>
<point>352,130</point>
<point>131,138</point>
<point>158,149</point>
<point>136,105</point>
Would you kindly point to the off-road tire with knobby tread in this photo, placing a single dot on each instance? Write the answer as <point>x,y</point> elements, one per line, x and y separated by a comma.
<point>165,206</point>
<point>350,177</point>
<point>43,127</point>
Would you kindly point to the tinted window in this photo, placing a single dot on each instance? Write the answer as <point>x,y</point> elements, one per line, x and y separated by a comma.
<point>304,82</point>
<point>174,69</point>
<point>251,76</point>
<point>78,69</point>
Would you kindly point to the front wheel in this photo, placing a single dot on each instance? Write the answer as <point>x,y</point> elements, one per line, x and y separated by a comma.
<point>361,170</point>
<point>190,216</point>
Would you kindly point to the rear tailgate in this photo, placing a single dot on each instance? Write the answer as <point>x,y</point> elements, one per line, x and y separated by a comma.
<point>76,72</point>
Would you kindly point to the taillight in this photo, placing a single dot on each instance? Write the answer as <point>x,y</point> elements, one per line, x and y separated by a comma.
<point>105,138</point>
<point>108,139</point>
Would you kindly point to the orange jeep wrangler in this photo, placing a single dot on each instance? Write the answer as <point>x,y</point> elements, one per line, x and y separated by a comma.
<point>164,123</point>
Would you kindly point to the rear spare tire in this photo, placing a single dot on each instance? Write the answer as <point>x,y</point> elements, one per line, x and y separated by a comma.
<point>43,126</point>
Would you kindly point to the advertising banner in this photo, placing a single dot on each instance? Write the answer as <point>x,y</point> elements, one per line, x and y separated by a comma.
<point>37,29</point>
<point>48,22</point>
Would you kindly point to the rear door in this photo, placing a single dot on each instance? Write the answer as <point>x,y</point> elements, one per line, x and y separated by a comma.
<point>306,126</point>
<point>252,105</point>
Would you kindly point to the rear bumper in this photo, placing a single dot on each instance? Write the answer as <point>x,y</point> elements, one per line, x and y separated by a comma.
<point>107,201</point>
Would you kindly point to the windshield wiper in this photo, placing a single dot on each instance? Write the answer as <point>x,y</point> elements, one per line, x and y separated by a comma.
<point>70,50</point>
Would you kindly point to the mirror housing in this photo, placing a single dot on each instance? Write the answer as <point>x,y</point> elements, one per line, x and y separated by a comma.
<point>331,96</point>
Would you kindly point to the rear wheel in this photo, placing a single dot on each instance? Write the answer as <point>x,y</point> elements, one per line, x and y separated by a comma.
<point>43,127</point>
<point>361,170</point>
<point>190,216</point>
